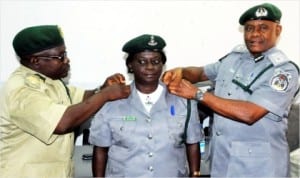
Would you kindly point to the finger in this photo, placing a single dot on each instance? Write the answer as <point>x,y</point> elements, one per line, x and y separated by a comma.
<point>166,77</point>
<point>116,79</point>
<point>121,79</point>
<point>186,82</point>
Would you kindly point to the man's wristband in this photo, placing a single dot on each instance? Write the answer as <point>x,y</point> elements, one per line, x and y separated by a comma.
<point>199,95</point>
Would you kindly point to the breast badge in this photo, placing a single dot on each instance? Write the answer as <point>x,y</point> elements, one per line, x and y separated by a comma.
<point>280,81</point>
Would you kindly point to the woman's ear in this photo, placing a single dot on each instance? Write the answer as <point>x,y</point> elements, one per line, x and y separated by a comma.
<point>129,67</point>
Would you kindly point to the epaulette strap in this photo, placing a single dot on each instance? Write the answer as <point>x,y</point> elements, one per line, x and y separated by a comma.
<point>223,57</point>
<point>278,58</point>
<point>34,80</point>
<point>240,49</point>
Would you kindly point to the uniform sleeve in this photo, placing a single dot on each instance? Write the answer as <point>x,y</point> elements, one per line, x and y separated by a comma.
<point>35,113</point>
<point>278,90</point>
<point>194,133</point>
<point>76,94</point>
<point>212,70</point>
<point>100,134</point>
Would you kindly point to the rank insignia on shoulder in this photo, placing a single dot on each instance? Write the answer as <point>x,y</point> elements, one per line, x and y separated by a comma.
<point>278,58</point>
<point>33,81</point>
<point>129,118</point>
<point>280,81</point>
<point>240,49</point>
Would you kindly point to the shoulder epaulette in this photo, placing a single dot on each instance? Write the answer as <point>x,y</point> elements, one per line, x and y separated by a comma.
<point>223,57</point>
<point>240,49</point>
<point>278,58</point>
<point>34,80</point>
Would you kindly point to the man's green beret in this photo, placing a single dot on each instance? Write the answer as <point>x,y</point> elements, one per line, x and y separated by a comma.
<point>264,11</point>
<point>37,38</point>
<point>144,42</point>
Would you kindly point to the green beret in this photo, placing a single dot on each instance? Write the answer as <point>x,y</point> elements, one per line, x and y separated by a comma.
<point>144,42</point>
<point>37,38</point>
<point>264,11</point>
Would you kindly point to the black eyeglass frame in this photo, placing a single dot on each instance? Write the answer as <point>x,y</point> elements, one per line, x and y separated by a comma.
<point>61,57</point>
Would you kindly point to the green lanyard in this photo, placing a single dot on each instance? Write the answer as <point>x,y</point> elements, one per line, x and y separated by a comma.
<point>188,116</point>
<point>67,90</point>
<point>247,87</point>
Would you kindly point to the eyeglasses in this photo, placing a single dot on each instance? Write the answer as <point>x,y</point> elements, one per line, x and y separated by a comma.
<point>61,57</point>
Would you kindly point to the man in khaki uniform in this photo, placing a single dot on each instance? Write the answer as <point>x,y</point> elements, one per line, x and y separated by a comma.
<point>38,112</point>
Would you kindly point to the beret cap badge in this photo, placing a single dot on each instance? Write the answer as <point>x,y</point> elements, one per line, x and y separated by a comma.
<point>261,12</point>
<point>152,42</point>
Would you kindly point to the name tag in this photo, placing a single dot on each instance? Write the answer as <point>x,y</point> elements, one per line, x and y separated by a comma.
<point>129,118</point>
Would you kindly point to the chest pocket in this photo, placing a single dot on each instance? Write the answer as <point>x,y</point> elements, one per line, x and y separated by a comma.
<point>176,129</point>
<point>122,129</point>
<point>246,88</point>
<point>178,125</point>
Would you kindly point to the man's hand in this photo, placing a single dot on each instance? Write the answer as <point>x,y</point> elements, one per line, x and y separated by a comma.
<point>172,76</point>
<point>116,78</point>
<point>116,91</point>
<point>184,89</point>
<point>114,87</point>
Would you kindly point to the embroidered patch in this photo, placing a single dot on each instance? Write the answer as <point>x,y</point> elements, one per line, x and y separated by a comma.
<point>280,81</point>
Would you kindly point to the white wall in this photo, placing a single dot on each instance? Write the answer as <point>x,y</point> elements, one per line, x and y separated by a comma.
<point>196,32</point>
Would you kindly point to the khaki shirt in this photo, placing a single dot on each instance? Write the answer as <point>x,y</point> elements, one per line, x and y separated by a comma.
<point>31,106</point>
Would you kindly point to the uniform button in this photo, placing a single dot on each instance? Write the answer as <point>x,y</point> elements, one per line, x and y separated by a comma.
<point>148,120</point>
<point>249,151</point>
<point>150,136</point>
<point>150,154</point>
<point>150,168</point>
<point>218,133</point>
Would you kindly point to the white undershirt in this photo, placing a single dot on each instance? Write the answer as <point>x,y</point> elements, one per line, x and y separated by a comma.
<point>149,99</point>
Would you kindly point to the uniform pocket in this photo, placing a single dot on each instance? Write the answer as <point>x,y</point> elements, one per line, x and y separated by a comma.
<point>122,131</point>
<point>251,159</point>
<point>176,129</point>
<point>114,168</point>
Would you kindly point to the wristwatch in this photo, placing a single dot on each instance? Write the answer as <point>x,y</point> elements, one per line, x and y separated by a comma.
<point>196,174</point>
<point>97,90</point>
<point>199,95</point>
